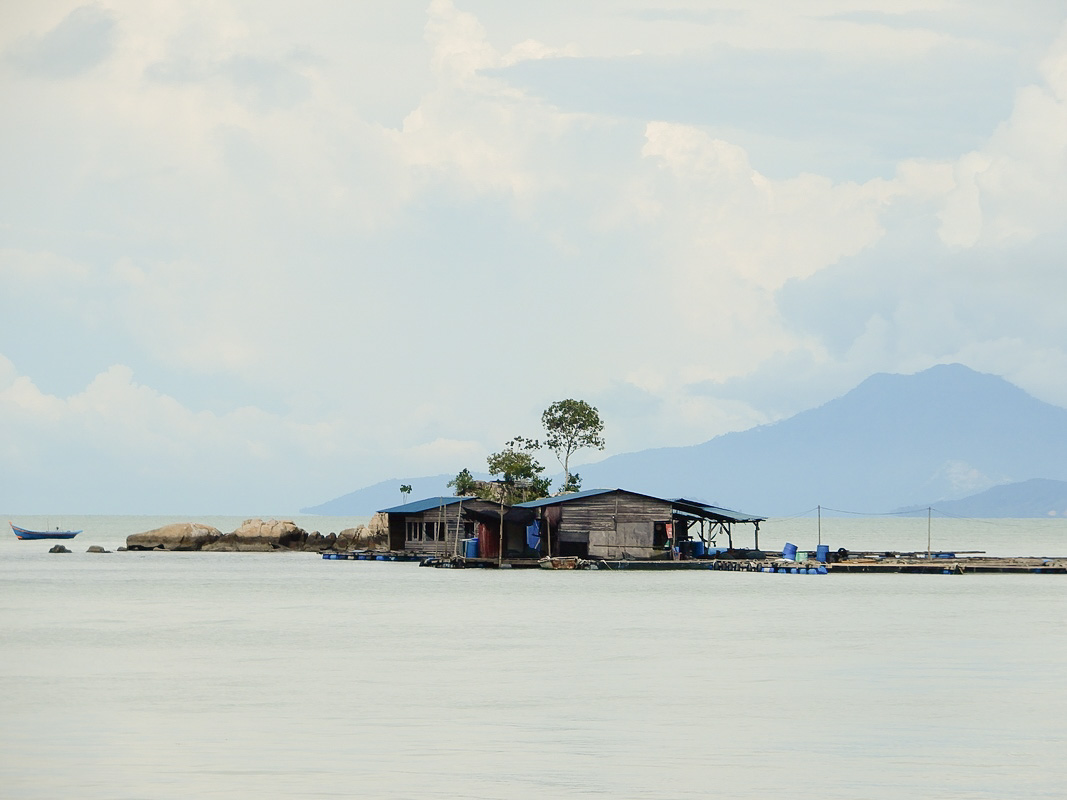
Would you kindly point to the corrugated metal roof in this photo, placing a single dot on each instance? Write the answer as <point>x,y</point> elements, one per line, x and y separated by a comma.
<point>718,511</point>
<point>418,506</point>
<point>563,498</point>
<point>695,507</point>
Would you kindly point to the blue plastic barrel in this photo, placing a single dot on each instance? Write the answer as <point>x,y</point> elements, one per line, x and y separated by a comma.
<point>697,548</point>
<point>470,548</point>
<point>789,551</point>
<point>821,552</point>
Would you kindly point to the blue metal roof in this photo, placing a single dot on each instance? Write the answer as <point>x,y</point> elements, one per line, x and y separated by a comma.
<point>563,498</point>
<point>418,506</point>
<point>694,506</point>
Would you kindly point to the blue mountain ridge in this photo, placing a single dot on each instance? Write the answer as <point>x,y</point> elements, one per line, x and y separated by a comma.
<point>386,494</point>
<point>945,433</point>
<point>1037,497</point>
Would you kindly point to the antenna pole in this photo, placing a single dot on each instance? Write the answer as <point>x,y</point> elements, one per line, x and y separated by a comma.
<point>820,524</point>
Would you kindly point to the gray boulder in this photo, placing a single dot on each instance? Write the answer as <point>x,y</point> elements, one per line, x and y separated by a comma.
<point>177,536</point>
<point>379,526</point>
<point>362,538</point>
<point>95,548</point>
<point>259,536</point>
<point>58,548</point>
<point>316,542</point>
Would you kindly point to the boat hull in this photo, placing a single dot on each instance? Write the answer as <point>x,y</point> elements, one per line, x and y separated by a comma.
<point>24,534</point>
<point>565,562</point>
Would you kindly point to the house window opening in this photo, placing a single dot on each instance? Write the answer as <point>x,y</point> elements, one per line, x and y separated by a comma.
<point>661,535</point>
<point>579,549</point>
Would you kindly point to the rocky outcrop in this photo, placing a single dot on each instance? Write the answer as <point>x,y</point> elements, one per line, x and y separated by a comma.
<point>95,548</point>
<point>259,536</point>
<point>379,526</point>
<point>58,548</point>
<point>373,536</point>
<point>319,543</point>
<point>177,536</point>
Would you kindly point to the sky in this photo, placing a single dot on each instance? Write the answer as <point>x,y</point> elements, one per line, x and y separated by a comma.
<point>256,255</point>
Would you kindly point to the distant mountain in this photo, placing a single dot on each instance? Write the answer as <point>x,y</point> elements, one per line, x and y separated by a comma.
<point>945,432</point>
<point>1037,497</point>
<point>364,502</point>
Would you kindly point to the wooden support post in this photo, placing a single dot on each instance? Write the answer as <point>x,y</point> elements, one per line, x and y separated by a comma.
<point>442,529</point>
<point>459,521</point>
<point>500,538</point>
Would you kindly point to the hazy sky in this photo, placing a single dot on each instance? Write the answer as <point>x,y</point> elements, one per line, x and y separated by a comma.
<point>254,255</point>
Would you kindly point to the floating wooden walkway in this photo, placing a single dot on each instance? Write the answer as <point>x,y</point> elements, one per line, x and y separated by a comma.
<point>940,564</point>
<point>372,556</point>
<point>958,566</point>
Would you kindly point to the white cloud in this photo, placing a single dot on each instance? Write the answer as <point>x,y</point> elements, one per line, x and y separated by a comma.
<point>161,453</point>
<point>352,244</point>
<point>26,269</point>
<point>1012,190</point>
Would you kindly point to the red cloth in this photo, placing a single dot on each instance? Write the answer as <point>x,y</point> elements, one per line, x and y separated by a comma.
<point>488,541</point>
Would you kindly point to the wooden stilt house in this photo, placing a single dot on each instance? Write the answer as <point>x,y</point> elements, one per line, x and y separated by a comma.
<point>619,524</point>
<point>437,526</point>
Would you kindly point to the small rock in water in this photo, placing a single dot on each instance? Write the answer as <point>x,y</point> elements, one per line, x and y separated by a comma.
<point>58,548</point>
<point>95,548</point>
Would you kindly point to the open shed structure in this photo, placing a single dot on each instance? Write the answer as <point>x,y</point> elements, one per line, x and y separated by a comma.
<point>620,524</point>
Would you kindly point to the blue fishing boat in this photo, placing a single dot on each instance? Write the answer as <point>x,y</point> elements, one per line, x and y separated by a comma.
<point>22,533</point>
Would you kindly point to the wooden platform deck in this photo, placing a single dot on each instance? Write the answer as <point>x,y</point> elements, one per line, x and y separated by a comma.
<point>941,564</point>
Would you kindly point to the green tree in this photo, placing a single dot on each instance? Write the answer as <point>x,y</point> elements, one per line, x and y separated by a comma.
<point>573,483</point>
<point>405,490</point>
<point>571,425</point>
<point>464,483</point>
<point>519,471</point>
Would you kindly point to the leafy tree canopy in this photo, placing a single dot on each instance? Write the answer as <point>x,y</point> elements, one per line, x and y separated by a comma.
<point>520,472</point>
<point>464,483</point>
<point>572,425</point>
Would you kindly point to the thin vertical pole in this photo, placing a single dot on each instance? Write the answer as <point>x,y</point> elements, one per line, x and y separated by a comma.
<point>820,524</point>
<point>928,510</point>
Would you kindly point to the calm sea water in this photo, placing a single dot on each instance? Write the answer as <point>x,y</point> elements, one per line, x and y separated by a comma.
<point>232,675</point>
